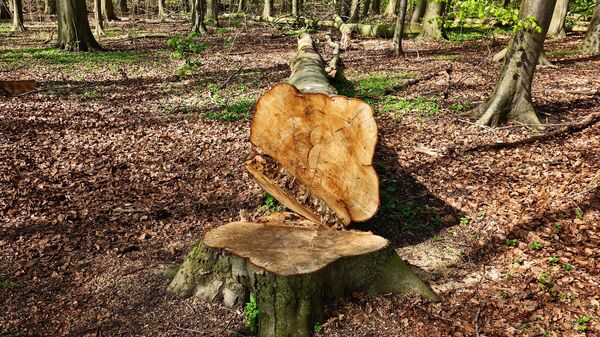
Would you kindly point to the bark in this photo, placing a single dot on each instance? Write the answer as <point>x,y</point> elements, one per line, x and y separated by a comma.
<point>398,31</point>
<point>432,22</point>
<point>50,7</point>
<point>591,42</point>
<point>241,5</point>
<point>125,10</point>
<point>354,11</point>
<point>239,259</point>
<point>212,12</point>
<point>376,7</point>
<point>390,9</point>
<point>295,7</point>
<point>267,8</point>
<point>511,98</point>
<point>74,33</point>
<point>286,7</point>
<point>198,17</point>
<point>161,8</point>
<point>418,11</point>
<point>5,12</point>
<point>17,11</point>
<point>98,18</point>
<point>557,25</point>
<point>108,11</point>
<point>365,8</point>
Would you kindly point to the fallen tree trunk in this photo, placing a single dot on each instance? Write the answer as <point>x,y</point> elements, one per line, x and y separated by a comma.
<point>313,153</point>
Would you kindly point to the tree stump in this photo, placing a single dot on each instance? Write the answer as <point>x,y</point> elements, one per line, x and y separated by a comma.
<point>314,153</point>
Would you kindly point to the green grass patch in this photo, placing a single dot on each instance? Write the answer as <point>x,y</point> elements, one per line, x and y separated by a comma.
<point>463,33</point>
<point>448,57</point>
<point>378,84</point>
<point>52,55</point>
<point>422,106</point>
<point>567,52</point>
<point>233,111</point>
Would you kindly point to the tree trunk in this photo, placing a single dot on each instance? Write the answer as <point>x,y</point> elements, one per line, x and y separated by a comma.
<point>557,25</point>
<point>418,11</point>
<point>293,276</point>
<point>354,11</point>
<point>267,8</point>
<point>286,7</point>
<point>591,42</point>
<point>74,33</point>
<point>376,7</point>
<point>17,11</point>
<point>241,5</point>
<point>390,9</point>
<point>399,30</point>
<point>98,18</point>
<point>124,9</point>
<point>108,10</point>
<point>50,7</point>
<point>5,12</point>
<point>295,7</point>
<point>511,98</point>
<point>161,8</point>
<point>212,12</point>
<point>365,8</point>
<point>432,22</point>
<point>198,17</point>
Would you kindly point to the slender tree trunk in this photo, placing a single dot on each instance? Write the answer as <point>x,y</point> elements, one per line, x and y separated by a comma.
<point>286,7</point>
<point>123,7</point>
<point>198,17</point>
<point>557,25</point>
<point>366,7</point>
<point>591,42</point>
<point>376,7</point>
<point>418,11</point>
<point>267,8</point>
<point>399,30</point>
<point>50,7</point>
<point>432,28</point>
<point>161,8</point>
<point>354,11</point>
<point>511,98</point>
<point>98,18</point>
<point>295,7</point>
<point>390,9</point>
<point>4,10</point>
<point>241,5</point>
<point>74,31</point>
<point>212,12</point>
<point>17,10</point>
<point>108,11</point>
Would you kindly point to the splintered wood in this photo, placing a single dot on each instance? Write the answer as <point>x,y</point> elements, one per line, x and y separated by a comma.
<point>325,146</point>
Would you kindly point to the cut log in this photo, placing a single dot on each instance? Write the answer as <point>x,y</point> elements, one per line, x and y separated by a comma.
<point>293,272</point>
<point>314,153</point>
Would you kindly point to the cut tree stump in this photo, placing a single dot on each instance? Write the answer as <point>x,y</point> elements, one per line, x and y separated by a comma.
<point>292,271</point>
<point>313,153</point>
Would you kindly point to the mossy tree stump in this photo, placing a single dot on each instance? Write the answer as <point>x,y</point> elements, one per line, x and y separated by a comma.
<point>314,153</point>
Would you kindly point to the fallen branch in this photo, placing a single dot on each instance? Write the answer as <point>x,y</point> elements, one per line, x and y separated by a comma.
<point>224,83</point>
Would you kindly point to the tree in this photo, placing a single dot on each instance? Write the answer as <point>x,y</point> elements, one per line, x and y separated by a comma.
<point>267,8</point>
<point>511,98</point>
<point>212,12</point>
<point>161,8</point>
<point>418,11</point>
<point>124,9</point>
<point>354,11</point>
<point>17,11</point>
<point>98,18</point>
<point>198,17</point>
<point>74,31</point>
<point>399,30</point>
<point>50,7</point>
<point>108,11</point>
<point>295,7</point>
<point>432,21</point>
<point>557,25</point>
<point>591,42</point>
<point>376,7</point>
<point>390,9</point>
<point>4,11</point>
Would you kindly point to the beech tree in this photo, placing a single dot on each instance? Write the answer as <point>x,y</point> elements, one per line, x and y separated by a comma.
<point>511,98</point>
<point>74,33</point>
<point>559,16</point>
<point>399,29</point>
<point>591,42</point>
<point>198,17</point>
<point>98,18</point>
<point>418,11</point>
<point>432,28</point>
<point>108,11</point>
<point>50,7</point>
<point>17,11</point>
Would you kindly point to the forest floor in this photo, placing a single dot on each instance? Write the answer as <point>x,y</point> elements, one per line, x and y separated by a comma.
<point>111,173</point>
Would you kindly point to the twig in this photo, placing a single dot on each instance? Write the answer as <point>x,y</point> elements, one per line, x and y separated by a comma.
<point>224,83</point>
<point>188,330</point>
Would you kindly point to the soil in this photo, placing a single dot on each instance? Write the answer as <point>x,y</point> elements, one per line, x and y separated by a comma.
<point>111,173</point>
